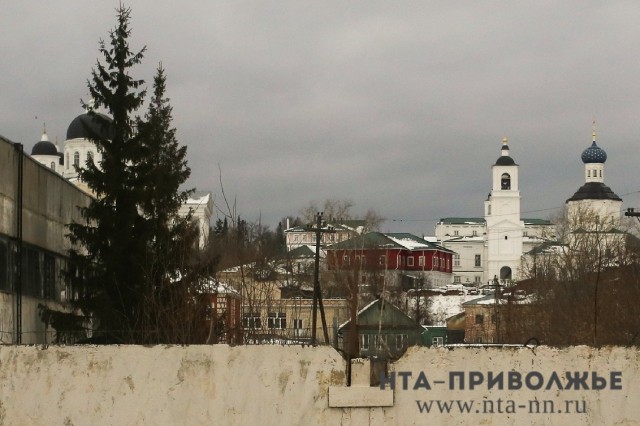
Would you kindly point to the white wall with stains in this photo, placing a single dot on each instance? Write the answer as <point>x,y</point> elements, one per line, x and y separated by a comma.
<point>275,385</point>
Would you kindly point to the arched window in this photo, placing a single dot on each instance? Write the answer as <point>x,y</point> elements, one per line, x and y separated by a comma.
<point>505,181</point>
<point>53,165</point>
<point>76,159</point>
<point>505,273</point>
<point>90,156</point>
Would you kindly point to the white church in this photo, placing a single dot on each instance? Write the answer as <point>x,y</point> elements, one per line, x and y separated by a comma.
<point>78,149</point>
<point>492,246</point>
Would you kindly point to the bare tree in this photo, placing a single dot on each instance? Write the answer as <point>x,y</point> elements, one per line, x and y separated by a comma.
<point>583,290</point>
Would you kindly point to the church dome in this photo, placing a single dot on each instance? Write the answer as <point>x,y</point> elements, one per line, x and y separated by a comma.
<point>44,147</point>
<point>505,159</point>
<point>594,154</point>
<point>86,126</point>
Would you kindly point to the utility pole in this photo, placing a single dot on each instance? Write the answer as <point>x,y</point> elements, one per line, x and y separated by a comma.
<point>632,212</point>
<point>18,254</point>
<point>317,292</point>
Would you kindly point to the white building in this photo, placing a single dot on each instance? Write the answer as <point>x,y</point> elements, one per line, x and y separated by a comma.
<point>594,196</point>
<point>492,246</point>
<point>78,149</point>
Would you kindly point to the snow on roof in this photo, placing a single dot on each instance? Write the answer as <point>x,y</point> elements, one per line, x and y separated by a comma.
<point>442,307</point>
<point>218,287</point>
<point>407,242</point>
<point>199,199</point>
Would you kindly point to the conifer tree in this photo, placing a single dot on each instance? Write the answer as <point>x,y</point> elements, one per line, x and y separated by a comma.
<point>109,275</point>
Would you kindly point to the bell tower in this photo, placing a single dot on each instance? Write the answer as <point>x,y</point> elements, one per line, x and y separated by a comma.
<point>504,232</point>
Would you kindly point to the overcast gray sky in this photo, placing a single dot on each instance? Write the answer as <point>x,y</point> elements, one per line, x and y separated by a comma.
<point>400,106</point>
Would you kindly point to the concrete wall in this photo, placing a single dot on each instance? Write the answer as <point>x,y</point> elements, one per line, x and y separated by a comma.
<point>294,385</point>
<point>50,202</point>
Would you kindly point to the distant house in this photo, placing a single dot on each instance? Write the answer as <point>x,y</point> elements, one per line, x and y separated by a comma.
<point>415,262</point>
<point>434,335</point>
<point>277,307</point>
<point>341,230</point>
<point>491,319</point>
<point>223,315</point>
<point>383,331</point>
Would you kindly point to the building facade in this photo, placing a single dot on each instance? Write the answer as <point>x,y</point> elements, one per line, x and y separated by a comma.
<point>492,246</point>
<point>407,261</point>
<point>36,204</point>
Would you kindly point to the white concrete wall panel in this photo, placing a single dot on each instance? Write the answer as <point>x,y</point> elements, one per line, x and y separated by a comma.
<point>275,385</point>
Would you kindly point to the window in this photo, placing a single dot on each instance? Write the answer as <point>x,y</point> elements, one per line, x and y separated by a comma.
<point>421,261</point>
<point>383,260</point>
<point>251,321</point>
<point>401,341</point>
<point>380,341</point>
<point>456,279</point>
<point>475,233</point>
<point>410,261</point>
<point>505,181</point>
<point>437,341</point>
<point>90,156</point>
<point>277,320</point>
<point>456,233</point>
<point>346,260</point>
<point>297,327</point>
<point>479,319</point>
<point>478,261</point>
<point>5,261</point>
<point>456,260</point>
<point>493,318</point>
<point>67,161</point>
<point>489,210</point>
<point>588,173</point>
<point>435,261</point>
<point>53,165</point>
<point>476,279</point>
<point>76,159</point>
<point>364,342</point>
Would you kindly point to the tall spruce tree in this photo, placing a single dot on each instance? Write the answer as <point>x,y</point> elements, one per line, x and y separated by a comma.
<point>173,273</point>
<point>109,275</point>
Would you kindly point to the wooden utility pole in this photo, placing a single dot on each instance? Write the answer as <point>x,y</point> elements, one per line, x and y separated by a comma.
<point>317,292</point>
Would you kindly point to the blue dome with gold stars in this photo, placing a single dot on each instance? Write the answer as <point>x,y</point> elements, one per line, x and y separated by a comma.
<point>594,154</point>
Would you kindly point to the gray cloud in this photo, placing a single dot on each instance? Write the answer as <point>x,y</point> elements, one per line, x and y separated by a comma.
<point>400,106</point>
